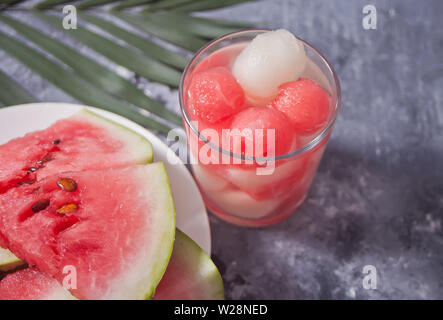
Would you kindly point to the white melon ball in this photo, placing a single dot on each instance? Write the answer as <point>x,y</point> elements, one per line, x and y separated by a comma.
<point>249,180</point>
<point>241,204</point>
<point>269,60</point>
<point>208,181</point>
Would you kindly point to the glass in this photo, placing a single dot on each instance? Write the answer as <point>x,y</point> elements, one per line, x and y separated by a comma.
<point>234,192</point>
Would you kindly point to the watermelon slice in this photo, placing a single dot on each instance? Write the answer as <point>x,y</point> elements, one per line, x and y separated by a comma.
<point>31,284</point>
<point>8,261</point>
<point>119,244</point>
<point>66,146</point>
<point>83,141</point>
<point>190,275</point>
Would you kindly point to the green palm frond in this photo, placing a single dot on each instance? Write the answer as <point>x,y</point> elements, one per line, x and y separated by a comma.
<point>137,40</point>
<point>50,3</point>
<point>163,30</point>
<point>93,3</point>
<point>203,5</point>
<point>131,59</point>
<point>148,47</point>
<point>11,93</point>
<point>92,71</point>
<point>71,83</point>
<point>200,28</point>
<point>131,3</point>
<point>167,4</point>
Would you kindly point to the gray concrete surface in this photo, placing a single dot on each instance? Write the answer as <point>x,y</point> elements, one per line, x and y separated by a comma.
<point>378,196</point>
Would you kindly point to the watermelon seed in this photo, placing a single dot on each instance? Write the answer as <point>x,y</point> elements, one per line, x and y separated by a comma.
<point>40,205</point>
<point>67,184</point>
<point>56,141</point>
<point>33,169</point>
<point>68,208</point>
<point>47,158</point>
<point>25,182</point>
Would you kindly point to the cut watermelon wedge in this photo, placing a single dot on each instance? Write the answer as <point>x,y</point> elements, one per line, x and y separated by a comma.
<point>83,141</point>
<point>31,284</point>
<point>8,261</point>
<point>118,231</point>
<point>190,275</point>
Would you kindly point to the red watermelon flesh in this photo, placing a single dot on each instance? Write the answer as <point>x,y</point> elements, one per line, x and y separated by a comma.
<point>191,275</point>
<point>31,284</point>
<point>119,238</point>
<point>84,141</point>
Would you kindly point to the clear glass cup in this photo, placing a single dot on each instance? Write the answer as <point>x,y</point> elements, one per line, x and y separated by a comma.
<point>235,192</point>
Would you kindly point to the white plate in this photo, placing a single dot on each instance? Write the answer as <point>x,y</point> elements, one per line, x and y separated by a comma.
<point>190,210</point>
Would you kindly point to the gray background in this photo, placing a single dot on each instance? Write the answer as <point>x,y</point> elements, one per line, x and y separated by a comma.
<point>378,195</point>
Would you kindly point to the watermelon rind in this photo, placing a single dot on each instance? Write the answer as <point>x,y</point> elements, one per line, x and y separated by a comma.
<point>143,154</point>
<point>8,261</point>
<point>31,284</point>
<point>164,251</point>
<point>191,265</point>
<point>136,143</point>
<point>148,266</point>
<point>199,277</point>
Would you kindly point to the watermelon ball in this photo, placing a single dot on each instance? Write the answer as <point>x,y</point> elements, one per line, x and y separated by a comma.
<point>260,118</point>
<point>215,95</point>
<point>269,60</point>
<point>305,103</point>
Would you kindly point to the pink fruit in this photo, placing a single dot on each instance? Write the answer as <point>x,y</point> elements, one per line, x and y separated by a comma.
<point>215,95</point>
<point>30,284</point>
<point>190,275</point>
<point>72,195</point>
<point>119,244</point>
<point>253,119</point>
<point>220,58</point>
<point>83,141</point>
<point>305,103</point>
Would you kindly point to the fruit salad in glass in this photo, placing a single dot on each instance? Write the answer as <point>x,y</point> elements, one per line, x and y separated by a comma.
<point>258,108</point>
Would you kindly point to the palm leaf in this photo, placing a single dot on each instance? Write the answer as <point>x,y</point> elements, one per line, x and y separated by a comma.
<point>93,72</point>
<point>50,3</point>
<point>176,20</point>
<point>150,48</point>
<point>131,3</point>
<point>4,4</point>
<point>93,3</point>
<point>11,93</point>
<point>203,5</point>
<point>221,22</point>
<point>121,55</point>
<point>72,84</point>
<point>163,30</point>
<point>167,4</point>
<point>91,82</point>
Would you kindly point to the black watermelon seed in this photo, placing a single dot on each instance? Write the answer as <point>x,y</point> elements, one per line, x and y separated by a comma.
<point>25,182</point>
<point>46,158</point>
<point>40,205</point>
<point>56,141</point>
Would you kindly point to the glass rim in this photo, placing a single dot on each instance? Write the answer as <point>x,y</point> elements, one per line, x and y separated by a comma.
<point>309,146</point>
